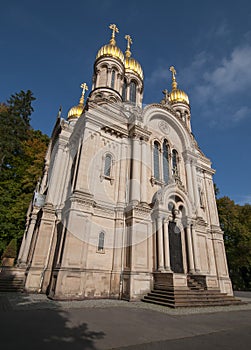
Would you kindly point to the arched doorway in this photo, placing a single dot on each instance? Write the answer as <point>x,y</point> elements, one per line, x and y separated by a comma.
<point>175,246</point>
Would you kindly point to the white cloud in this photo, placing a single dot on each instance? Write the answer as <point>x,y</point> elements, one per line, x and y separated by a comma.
<point>222,89</point>
<point>233,74</point>
<point>157,75</point>
<point>242,113</point>
<point>223,30</point>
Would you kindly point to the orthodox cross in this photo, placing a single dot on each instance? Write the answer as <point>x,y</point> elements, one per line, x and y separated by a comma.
<point>174,84</point>
<point>114,29</point>
<point>84,88</point>
<point>172,69</point>
<point>129,43</point>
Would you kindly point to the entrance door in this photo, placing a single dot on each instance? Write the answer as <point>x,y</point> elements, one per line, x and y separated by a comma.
<point>175,246</point>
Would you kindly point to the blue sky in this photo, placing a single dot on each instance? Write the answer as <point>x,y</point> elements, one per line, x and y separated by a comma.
<point>50,46</point>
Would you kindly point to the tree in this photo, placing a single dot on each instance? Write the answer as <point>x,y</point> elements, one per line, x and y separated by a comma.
<point>22,158</point>
<point>14,124</point>
<point>235,221</point>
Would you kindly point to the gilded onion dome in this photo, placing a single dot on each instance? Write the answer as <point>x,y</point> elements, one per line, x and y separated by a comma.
<point>131,65</point>
<point>76,111</point>
<point>111,49</point>
<point>177,95</point>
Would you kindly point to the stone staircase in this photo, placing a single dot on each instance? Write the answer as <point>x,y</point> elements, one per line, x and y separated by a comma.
<point>11,280</point>
<point>194,296</point>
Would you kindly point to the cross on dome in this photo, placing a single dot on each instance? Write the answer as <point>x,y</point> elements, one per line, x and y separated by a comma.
<point>114,29</point>
<point>174,84</point>
<point>84,88</point>
<point>129,43</point>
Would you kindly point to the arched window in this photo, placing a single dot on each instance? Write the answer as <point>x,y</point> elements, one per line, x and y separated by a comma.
<point>133,91</point>
<point>165,162</point>
<point>108,165</point>
<point>175,161</point>
<point>124,91</point>
<point>101,242</point>
<point>113,79</point>
<point>156,152</point>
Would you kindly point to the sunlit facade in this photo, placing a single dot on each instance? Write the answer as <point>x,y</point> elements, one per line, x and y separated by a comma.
<point>126,194</point>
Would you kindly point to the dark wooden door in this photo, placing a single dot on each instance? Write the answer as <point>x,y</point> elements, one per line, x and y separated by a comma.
<point>175,246</point>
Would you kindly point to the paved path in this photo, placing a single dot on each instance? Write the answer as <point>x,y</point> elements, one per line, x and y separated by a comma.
<point>34,322</point>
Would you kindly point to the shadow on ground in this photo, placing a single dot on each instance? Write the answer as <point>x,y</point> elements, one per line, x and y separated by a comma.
<point>24,327</point>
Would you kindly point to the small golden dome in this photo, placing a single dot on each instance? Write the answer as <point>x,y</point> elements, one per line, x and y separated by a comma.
<point>178,96</point>
<point>75,111</point>
<point>112,51</point>
<point>132,65</point>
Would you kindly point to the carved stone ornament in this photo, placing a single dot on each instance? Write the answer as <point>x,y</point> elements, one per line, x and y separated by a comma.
<point>164,127</point>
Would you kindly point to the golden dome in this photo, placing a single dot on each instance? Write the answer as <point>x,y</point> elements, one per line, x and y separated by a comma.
<point>132,65</point>
<point>76,111</point>
<point>178,96</point>
<point>111,49</point>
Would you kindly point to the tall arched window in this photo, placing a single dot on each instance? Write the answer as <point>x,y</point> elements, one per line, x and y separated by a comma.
<point>113,79</point>
<point>156,152</point>
<point>165,162</point>
<point>124,91</point>
<point>133,91</point>
<point>175,161</point>
<point>108,165</point>
<point>101,242</point>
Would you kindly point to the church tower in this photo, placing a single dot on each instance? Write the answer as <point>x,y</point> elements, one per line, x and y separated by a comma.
<point>126,203</point>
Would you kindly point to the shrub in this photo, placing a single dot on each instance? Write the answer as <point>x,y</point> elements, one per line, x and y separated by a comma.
<point>11,249</point>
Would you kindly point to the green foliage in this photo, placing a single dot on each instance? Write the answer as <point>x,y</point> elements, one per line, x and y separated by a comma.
<point>235,221</point>
<point>20,105</point>
<point>11,249</point>
<point>22,152</point>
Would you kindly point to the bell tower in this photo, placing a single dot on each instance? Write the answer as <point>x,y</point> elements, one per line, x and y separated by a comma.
<point>109,71</point>
<point>133,81</point>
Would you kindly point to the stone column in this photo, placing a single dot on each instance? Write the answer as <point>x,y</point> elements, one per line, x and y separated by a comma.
<point>195,187</point>
<point>166,246</point>
<point>195,250</point>
<point>97,78</point>
<point>189,177</point>
<point>118,241</point>
<point>109,75</point>
<point>81,182</point>
<point>122,174</point>
<point>190,249</point>
<point>27,242</point>
<point>154,240</point>
<point>135,180</point>
<point>160,245</point>
<point>57,173</point>
<point>143,172</point>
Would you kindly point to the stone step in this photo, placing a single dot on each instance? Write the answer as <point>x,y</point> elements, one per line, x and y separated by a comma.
<point>199,298</point>
<point>11,284</point>
<point>188,292</point>
<point>190,304</point>
<point>188,297</point>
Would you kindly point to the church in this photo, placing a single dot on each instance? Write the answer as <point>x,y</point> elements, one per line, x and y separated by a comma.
<point>126,201</point>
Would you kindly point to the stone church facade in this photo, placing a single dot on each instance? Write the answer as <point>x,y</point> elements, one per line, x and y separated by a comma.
<point>126,197</point>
